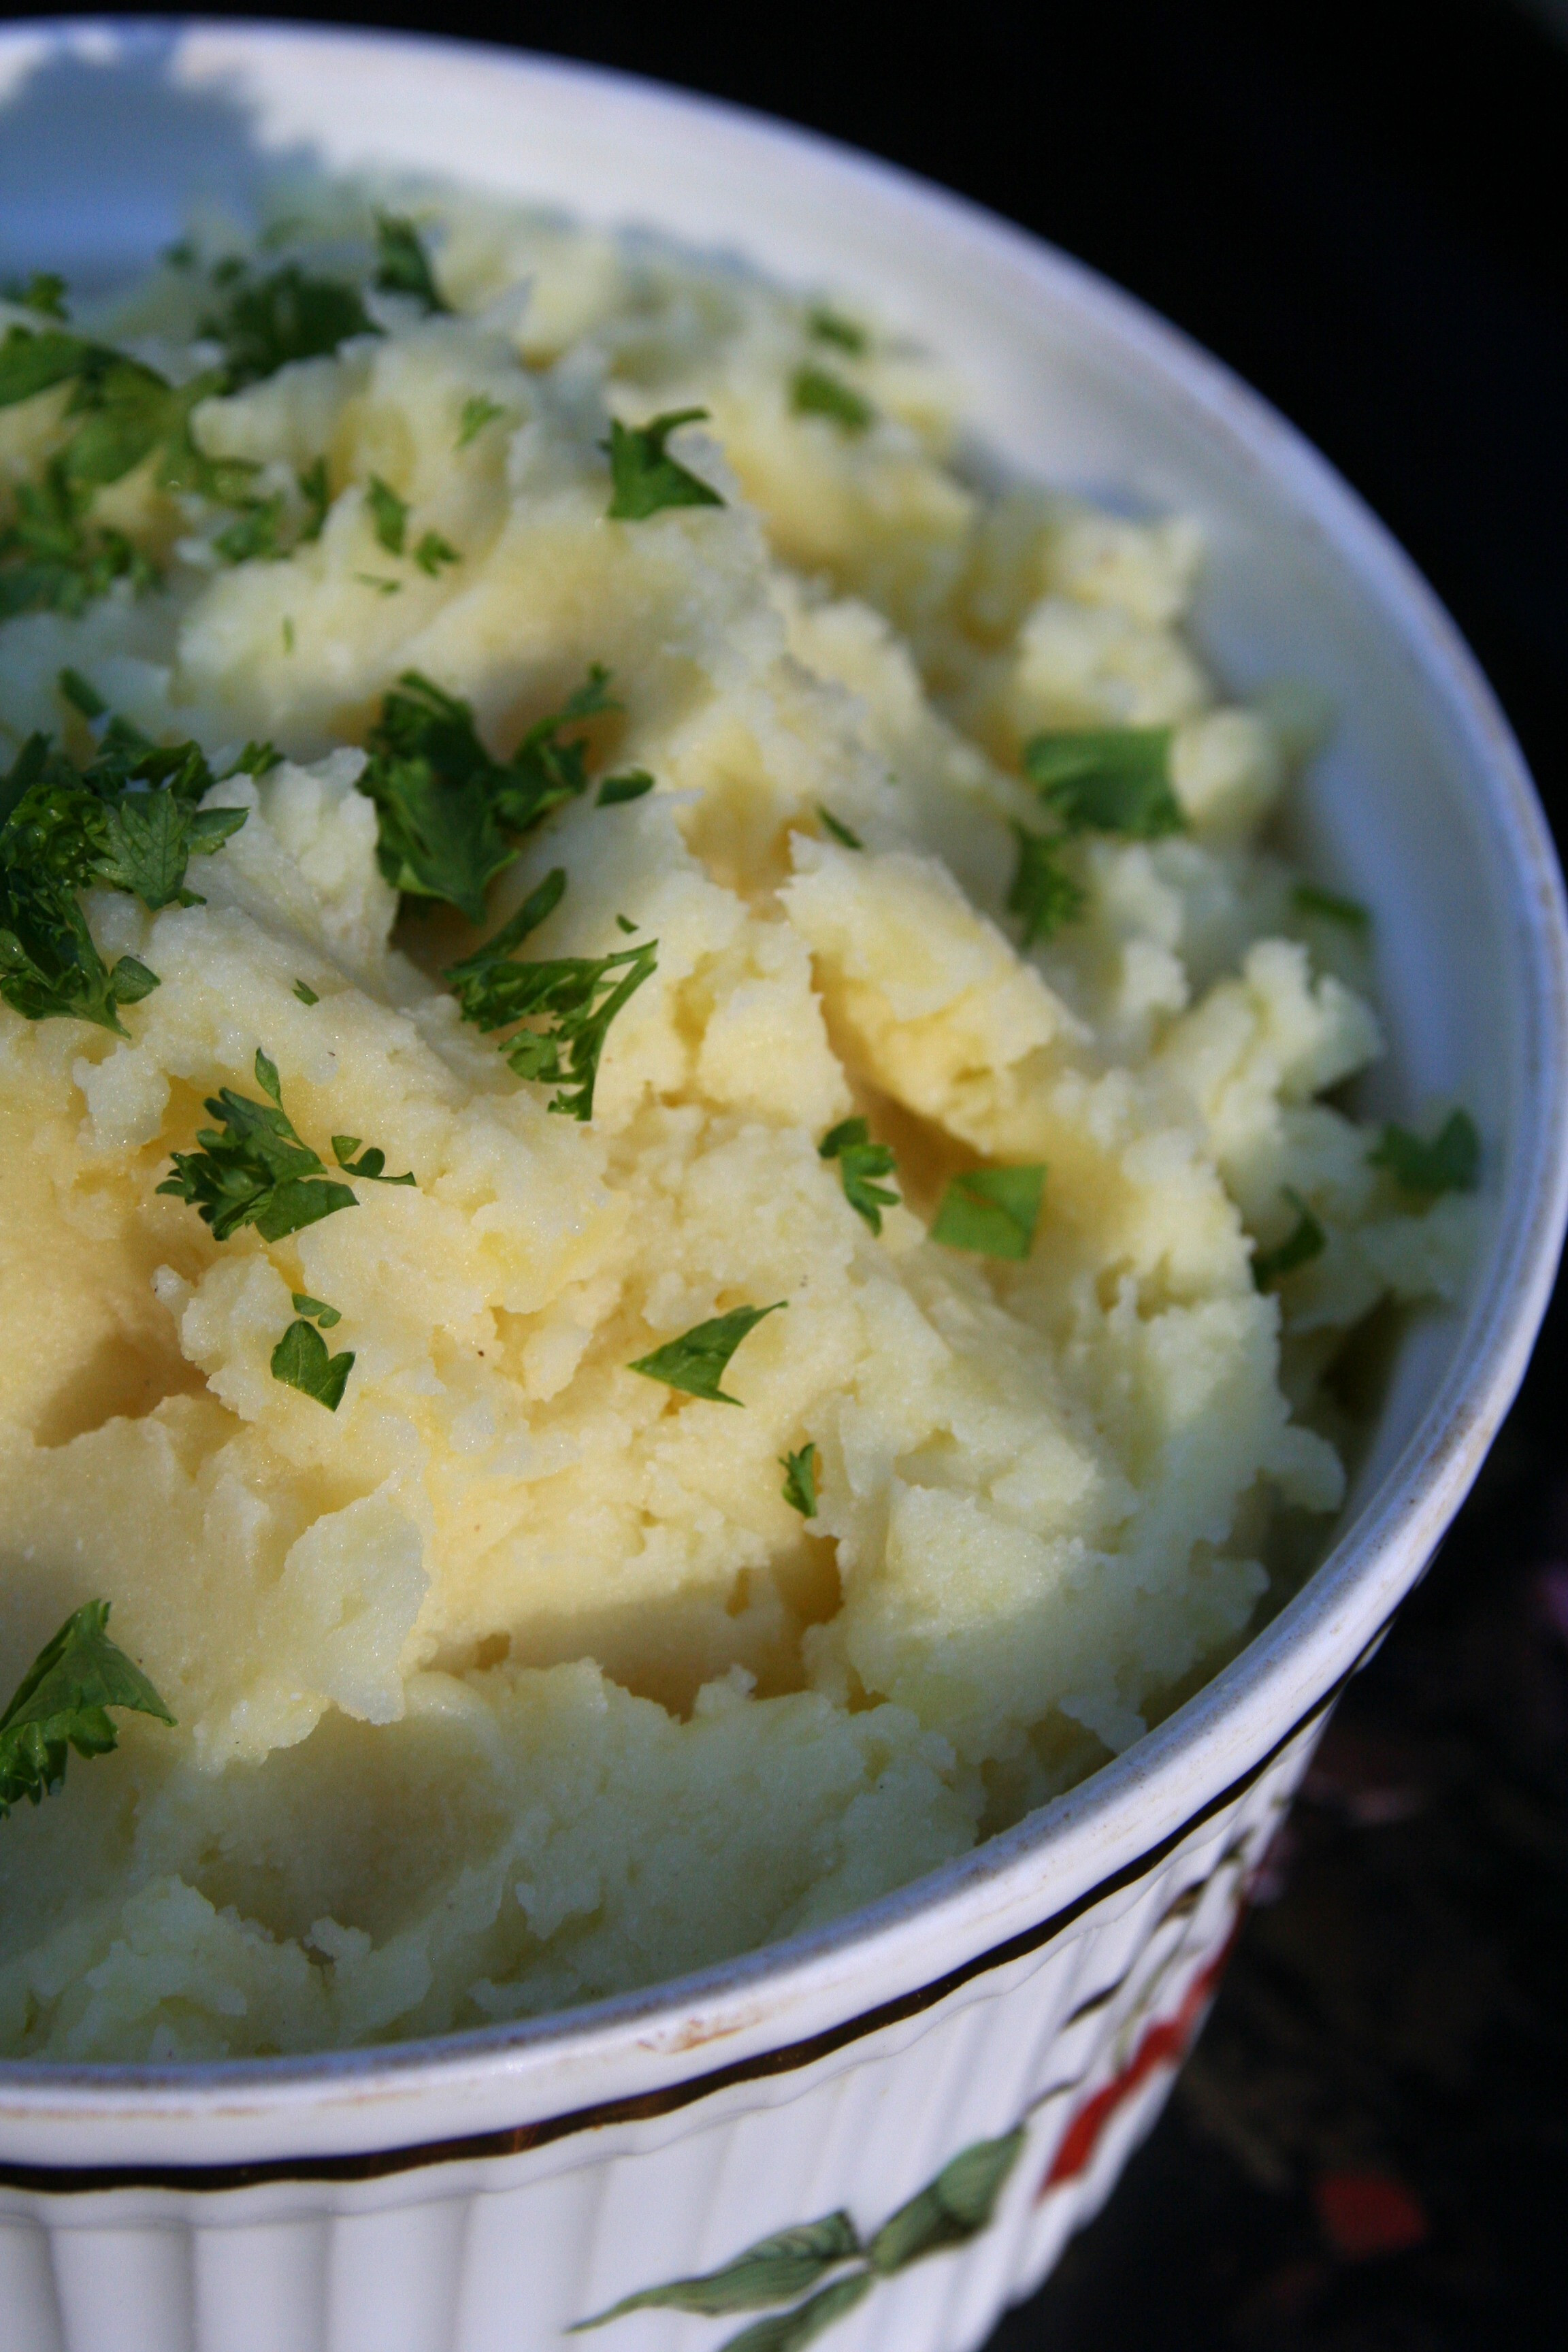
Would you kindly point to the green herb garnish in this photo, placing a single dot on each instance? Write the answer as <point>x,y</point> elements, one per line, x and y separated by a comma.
<point>479,410</point>
<point>814,392</point>
<point>695,1362</point>
<point>306,994</point>
<point>992,1211</point>
<point>1308,898</point>
<point>828,327</point>
<point>838,829</point>
<point>1451,1163</point>
<point>575,997</point>
<point>449,815</point>
<point>318,497</point>
<point>644,477</point>
<point>1306,1241</point>
<point>62,1702</point>
<point>859,1161</point>
<point>389,513</point>
<point>800,1480</point>
<point>43,292</point>
<point>281,318</point>
<point>371,1165</point>
<point>380,583</point>
<point>1041,892</point>
<point>80,694</point>
<point>302,1360</point>
<point>631,786</point>
<point>253,1169</point>
<point>432,551</point>
<point>1108,779</point>
<point>317,1309</point>
<point>255,532</point>
<point>402,266</point>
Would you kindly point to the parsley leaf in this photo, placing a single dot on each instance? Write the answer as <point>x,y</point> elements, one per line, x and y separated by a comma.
<point>992,1211</point>
<point>1451,1163</point>
<point>403,267</point>
<point>62,1702</point>
<point>80,694</point>
<point>695,1362</point>
<point>1306,1241</point>
<point>256,531</point>
<point>52,560</point>
<point>860,1159</point>
<point>631,786</point>
<point>1108,779</point>
<point>389,513</point>
<point>317,1309</point>
<point>253,1170</point>
<point>302,1361</point>
<point>576,996</point>
<point>1307,899</point>
<point>1041,893</point>
<point>800,1480</point>
<point>814,392</point>
<point>370,1166</point>
<point>43,292</point>
<point>479,410</point>
<point>150,838</point>
<point>306,994</point>
<point>447,811</point>
<point>644,477</point>
<point>829,328</point>
<point>838,829</point>
<point>284,317</point>
<point>315,491</point>
<point>432,551</point>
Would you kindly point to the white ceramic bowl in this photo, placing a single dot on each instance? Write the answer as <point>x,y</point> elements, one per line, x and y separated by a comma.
<point>1029,2002</point>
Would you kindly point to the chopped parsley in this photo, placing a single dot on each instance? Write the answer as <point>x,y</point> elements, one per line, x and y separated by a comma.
<point>306,994</point>
<point>992,1211</point>
<point>62,1702</point>
<point>800,1480</point>
<point>1451,1163</point>
<point>644,477</point>
<point>256,531</point>
<point>317,493</point>
<point>859,1161</point>
<point>1305,1242</point>
<point>838,829</point>
<point>389,513</point>
<point>828,327</point>
<point>379,580</point>
<point>1308,898</point>
<point>129,821</point>
<point>432,551</point>
<point>449,815</point>
<point>814,392</point>
<point>52,560</point>
<point>253,1169</point>
<point>631,786</point>
<point>267,322</point>
<point>82,694</point>
<point>371,1164</point>
<point>479,410</point>
<point>574,997</point>
<point>697,1361</point>
<point>43,292</point>
<point>403,266</point>
<point>1108,779</point>
<point>302,1360</point>
<point>1041,893</point>
<point>317,1309</point>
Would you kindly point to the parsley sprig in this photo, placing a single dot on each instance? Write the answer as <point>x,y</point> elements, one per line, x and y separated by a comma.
<point>129,821</point>
<point>800,1480</point>
<point>255,1168</point>
<point>1108,779</point>
<point>450,817</point>
<point>403,266</point>
<point>859,1162</point>
<point>697,1361</point>
<point>644,477</point>
<point>1450,1162</point>
<point>575,998</point>
<point>62,1702</point>
<point>301,1360</point>
<point>1042,892</point>
<point>1304,1242</point>
<point>266,323</point>
<point>992,1210</point>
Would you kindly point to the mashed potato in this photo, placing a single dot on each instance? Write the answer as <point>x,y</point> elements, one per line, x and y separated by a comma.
<point>521,1676</point>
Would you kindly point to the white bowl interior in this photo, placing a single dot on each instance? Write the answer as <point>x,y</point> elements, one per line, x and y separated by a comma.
<point>1418,804</point>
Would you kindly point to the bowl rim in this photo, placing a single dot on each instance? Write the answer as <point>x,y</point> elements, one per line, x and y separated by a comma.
<point>1226,1733</point>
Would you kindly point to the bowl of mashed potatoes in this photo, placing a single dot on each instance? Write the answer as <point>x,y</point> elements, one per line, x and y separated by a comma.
<point>781,1048</point>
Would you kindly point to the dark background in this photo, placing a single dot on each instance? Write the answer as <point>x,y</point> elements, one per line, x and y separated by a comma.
<point>1360,204</point>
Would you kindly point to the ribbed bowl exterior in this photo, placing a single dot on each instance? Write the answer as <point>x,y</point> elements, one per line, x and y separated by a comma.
<point>1074,2041</point>
<point>948,2083</point>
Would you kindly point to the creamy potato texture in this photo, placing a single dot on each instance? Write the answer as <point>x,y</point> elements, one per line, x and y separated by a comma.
<point>516,1680</point>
